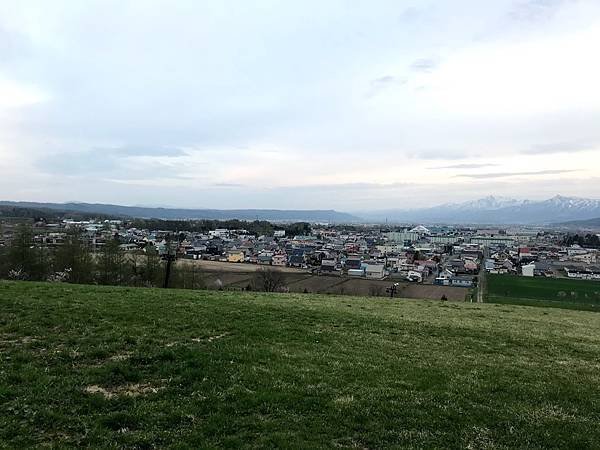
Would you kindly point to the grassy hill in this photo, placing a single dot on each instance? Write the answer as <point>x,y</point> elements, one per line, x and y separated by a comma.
<point>103,366</point>
<point>540,291</point>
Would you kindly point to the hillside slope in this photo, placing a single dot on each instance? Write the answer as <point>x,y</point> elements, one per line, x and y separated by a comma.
<point>184,214</point>
<point>100,366</point>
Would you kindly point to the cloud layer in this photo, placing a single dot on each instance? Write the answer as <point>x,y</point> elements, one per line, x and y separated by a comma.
<point>310,104</point>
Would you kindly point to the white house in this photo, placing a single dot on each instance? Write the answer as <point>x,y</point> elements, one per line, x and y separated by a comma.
<point>375,271</point>
<point>527,270</point>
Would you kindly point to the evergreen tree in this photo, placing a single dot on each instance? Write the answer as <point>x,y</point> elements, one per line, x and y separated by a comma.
<point>151,271</point>
<point>111,264</point>
<point>75,256</point>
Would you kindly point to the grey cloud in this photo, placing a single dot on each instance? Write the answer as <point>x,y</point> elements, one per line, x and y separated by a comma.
<point>560,147</point>
<point>144,151</point>
<point>13,45</point>
<point>424,65</point>
<point>228,185</point>
<point>447,154</point>
<point>385,82</point>
<point>350,186</point>
<point>534,10</point>
<point>100,160</point>
<point>464,166</point>
<point>512,174</point>
<point>91,162</point>
<point>410,15</point>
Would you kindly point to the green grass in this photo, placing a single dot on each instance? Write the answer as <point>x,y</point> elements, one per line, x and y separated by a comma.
<point>539,291</point>
<point>105,366</point>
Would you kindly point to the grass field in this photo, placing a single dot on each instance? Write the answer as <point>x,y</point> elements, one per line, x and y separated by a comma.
<point>539,291</point>
<point>142,368</point>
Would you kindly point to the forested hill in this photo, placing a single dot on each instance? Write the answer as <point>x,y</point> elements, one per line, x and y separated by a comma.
<point>22,212</point>
<point>179,213</point>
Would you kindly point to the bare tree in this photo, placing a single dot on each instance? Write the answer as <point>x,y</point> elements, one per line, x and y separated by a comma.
<point>269,280</point>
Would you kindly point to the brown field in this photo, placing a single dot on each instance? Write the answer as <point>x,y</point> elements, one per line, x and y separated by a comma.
<point>233,267</point>
<point>239,276</point>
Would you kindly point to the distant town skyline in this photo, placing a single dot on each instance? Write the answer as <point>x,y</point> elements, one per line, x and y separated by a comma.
<point>309,105</point>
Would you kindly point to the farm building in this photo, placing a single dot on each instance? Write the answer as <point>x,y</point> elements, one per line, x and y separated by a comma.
<point>462,281</point>
<point>587,273</point>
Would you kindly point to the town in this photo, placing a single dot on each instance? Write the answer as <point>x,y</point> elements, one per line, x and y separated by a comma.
<point>424,262</point>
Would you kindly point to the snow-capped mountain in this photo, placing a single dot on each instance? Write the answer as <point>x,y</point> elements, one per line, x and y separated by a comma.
<point>498,210</point>
<point>487,203</point>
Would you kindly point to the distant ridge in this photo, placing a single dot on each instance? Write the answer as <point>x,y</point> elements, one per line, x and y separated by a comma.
<point>487,210</point>
<point>497,210</point>
<point>330,216</point>
<point>590,223</point>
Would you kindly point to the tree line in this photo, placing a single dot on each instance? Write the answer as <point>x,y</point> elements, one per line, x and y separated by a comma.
<point>75,262</point>
<point>587,240</point>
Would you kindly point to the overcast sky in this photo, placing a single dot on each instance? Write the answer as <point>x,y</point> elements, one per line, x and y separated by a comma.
<point>350,105</point>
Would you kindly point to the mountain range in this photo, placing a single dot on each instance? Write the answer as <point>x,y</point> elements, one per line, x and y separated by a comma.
<point>487,210</point>
<point>496,210</point>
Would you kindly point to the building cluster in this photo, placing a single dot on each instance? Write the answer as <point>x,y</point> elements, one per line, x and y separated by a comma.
<point>544,259</point>
<point>449,256</point>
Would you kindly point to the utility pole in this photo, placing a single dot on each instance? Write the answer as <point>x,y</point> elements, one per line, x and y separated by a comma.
<point>392,290</point>
<point>169,257</point>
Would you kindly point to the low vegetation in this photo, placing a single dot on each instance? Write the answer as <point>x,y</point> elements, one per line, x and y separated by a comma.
<point>540,291</point>
<point>100,366</point>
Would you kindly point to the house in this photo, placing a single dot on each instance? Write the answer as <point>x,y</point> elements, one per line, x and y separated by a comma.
<point>235,256</point>
<point>471,266</point>
<point>587,273</point>
<point>375,271</point>
<point>420,230</point>
<point>543,269</point>
<point>526,254</point>
<point>219,232</point>
<point>429,264</point>
<point>443,279</point>
<point>328,265</point>
<point>462,281</point>
<point>353,263</point>
<point>297,260</point>
<point>457,266</point>
<point>528,269</point>
<point>265,259</point>
<point>588,258</point>
<point>356,272</point>
<point>279,259</point>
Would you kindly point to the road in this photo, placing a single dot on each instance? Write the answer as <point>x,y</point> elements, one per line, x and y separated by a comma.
<point>481,280</point>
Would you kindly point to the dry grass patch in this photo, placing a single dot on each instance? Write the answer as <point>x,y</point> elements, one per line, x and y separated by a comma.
<point>128,390</point>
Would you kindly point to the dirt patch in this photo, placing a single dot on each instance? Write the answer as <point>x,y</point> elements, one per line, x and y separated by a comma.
<point>128,390</point>
<point>211,338</point>
<point>121,356</point>
<point>344,400</point>
<point>233,267</point>
<point>13,339</point>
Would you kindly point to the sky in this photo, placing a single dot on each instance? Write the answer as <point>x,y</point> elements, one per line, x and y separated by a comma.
<point>348,105</point>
